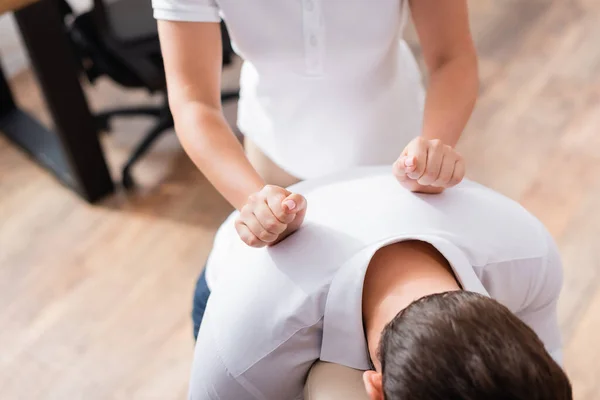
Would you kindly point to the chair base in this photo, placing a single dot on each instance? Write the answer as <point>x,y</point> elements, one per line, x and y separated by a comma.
<point>164,122</point>
<point>103,118</point>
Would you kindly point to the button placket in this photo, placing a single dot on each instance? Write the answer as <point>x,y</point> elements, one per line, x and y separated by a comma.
<point>313,36</point>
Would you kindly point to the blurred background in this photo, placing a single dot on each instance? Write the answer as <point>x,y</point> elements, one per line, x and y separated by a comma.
<point>96,281</point>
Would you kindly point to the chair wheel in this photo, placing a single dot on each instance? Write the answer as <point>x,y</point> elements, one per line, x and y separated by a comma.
<point>127,181</point>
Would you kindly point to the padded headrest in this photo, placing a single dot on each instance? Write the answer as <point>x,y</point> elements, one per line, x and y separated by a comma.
<point>327,381</point>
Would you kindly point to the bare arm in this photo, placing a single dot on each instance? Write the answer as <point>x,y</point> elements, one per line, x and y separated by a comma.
<point>192,53</point>
<point>449,53</point>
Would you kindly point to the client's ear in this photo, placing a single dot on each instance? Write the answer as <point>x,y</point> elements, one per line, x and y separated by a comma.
<point>374,384</point>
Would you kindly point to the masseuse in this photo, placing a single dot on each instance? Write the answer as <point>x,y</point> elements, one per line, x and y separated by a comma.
<point>325,85</point>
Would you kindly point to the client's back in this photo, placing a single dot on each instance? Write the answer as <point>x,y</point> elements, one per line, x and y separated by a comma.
<point>462,345</point>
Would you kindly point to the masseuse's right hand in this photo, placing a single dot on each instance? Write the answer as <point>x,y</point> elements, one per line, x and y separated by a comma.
<point>270,216</point>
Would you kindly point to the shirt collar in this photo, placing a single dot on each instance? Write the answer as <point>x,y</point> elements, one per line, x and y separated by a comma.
<point>343,332</point>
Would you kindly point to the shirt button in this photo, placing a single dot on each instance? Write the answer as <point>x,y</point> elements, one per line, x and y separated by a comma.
<point>313,40</point>
<point>309,5</point>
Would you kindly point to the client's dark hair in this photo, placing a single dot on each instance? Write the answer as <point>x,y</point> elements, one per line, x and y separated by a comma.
<point>464,346</point>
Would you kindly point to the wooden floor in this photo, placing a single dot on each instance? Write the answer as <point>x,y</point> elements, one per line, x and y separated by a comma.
<point>95,301</point>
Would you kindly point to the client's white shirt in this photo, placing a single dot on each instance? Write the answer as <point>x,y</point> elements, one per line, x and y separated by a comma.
<point>274,311</point>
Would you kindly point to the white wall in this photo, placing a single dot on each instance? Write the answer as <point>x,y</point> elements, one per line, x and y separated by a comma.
<point>12,53</point>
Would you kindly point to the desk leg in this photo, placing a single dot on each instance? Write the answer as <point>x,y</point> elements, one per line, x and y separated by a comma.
<point>75,131</point>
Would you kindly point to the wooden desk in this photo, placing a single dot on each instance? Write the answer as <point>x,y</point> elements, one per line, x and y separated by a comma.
<point>71,151</point>
<point>13,5</point>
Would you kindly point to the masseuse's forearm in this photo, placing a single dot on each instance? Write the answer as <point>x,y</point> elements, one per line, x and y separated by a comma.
<point>212,146</point>
<point>451,96</point>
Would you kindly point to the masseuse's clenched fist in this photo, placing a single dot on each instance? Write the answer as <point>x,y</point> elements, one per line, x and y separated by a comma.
<point>269,216</point>
<point>429,166</point>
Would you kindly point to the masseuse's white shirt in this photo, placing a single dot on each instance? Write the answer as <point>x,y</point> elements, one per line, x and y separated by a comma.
<point>274,311</point>
<point>326,84</point>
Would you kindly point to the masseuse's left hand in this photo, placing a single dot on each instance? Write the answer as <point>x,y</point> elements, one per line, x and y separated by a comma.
<point>429,166</point>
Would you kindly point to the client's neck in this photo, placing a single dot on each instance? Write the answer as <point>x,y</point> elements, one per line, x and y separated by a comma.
<point>397,275</point>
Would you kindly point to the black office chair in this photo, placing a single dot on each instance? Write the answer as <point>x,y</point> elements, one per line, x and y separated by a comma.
<point>120,40</point>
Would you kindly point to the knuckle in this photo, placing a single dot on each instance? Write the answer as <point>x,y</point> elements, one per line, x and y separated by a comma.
<point>245,211</point>
<point>253,241</point>
<point>281,215</point>
<point>436,143</point>
<point>271,224</point>
<point>268,189</point>
<point>417,172</point>
<point>445,179</point>
<point>265,236</point>
<point>240,232</point>
<point>401,177</point>
<point>274,190</point>
<point>253,198</point>
<point>430,175</point>
<point>288,219</point>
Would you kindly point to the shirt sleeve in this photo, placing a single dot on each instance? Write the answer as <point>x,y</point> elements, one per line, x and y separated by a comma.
<point>186,10</point>
<point>211,380</point>
<point>541,314</point>
<point>544,322</point>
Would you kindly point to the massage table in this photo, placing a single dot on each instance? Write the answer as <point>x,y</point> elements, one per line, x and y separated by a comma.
<point>327,381</point>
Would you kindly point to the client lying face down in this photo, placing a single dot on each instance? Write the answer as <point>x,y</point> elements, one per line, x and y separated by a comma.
<point>448,343</point>
<point>450,296</point>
